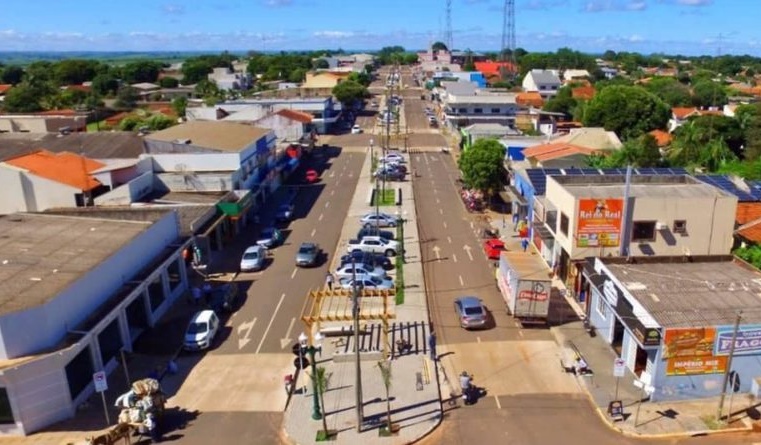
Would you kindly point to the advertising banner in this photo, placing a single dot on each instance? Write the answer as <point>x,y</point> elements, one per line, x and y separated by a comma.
<point>599,222</point>
<point>748,340</point>
<point>688,342</point>
<point>696,365</point>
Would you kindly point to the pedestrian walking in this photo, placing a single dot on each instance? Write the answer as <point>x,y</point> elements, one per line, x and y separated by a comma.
<point>432,345</point>
<point>207,292</point>
<point>515,222</point>
<point>329,281</point>
<point>524,244</point>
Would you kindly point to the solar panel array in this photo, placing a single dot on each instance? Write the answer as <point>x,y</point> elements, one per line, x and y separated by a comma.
<point>538,176</point>
<point>753,193</point>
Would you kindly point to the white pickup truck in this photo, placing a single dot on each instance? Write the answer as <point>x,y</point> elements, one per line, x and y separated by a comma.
<point>374,244</point>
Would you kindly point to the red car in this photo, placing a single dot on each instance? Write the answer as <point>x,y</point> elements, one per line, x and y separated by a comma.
<point>311,176</point>
<point>493,248</point>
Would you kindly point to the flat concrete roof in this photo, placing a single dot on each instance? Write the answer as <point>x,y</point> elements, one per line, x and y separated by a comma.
<point>692,294</point>
<point>40,255</point>
<point>642,186</point>
<point>218,135</point>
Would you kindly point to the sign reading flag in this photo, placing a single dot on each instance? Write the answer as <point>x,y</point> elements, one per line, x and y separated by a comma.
<point>599,222</point>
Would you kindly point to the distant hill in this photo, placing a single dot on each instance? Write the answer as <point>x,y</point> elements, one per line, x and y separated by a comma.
<point>27,57</point>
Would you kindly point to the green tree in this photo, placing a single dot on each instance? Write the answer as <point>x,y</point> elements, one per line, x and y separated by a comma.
<point>385,369</point>
<point>23,98</point>
<point>628,111</point>
<point>637,152</point>
<point>693,146</point>
<point>179,105</point>
<point>439,46</point>
<point>361,78</point>
<point>297,75</point>
<point>321,381</point>
<point>105,84</point>
<point>130,123</point>
<point>749,169</point>
<point>196,70</point>
<point>670,91</point>
<point>321,64</point>
<point>169,82</point>
<point>707,93</point>
<point>74,71</point>
<point>126,97</point>
<point>481,165</point>
<point>71,98</point>
<point>563,102</point>
<point>39,72</point>
<point>12,74</point>
<point>141,71</point>
<point>159,122</point>
<point>349,91</point>
<point>712,127</point>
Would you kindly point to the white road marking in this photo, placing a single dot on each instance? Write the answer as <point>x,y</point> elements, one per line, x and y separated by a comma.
<point>467,249</point>
<point>496,399</point>
<point>462,283</point>
<point>449,238</point>
<point>320,218</point>
<point>332,192</point>
<point>313,232</point>
<point>478,339</point>
<point>285,341</point>
<point>454,258</point>
<point>517,325</point>
<point>435,191</point>
<point>327,204</point>
<point>441,211</point>
<point>445,224</point>
<point>245,326</point>
<point>294,273</point>
<point>266,331</point>
<point>331,174</point>
<point>437,201</point>
<point>520,333</point>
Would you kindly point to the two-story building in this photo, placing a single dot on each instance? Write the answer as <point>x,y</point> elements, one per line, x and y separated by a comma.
<point>323,110</point>
<point>480,108</point>
<point>545,82</point>
<point>227,79</point>
<point>76,294</point>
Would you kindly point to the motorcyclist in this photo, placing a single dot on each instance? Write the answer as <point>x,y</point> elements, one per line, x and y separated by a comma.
<point>465,381</point>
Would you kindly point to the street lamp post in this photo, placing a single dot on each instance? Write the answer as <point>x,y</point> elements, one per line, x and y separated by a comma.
<point>311,349</point>
<point>372,156</point>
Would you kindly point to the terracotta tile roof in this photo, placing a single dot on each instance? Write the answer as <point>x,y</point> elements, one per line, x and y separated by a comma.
<point>83,88</point>
<point>546,152</point>
<point>295,115</point>
<point>532,98</point>
<point>4,87</point>
<point>117,118</point>
<point>711,112</point>
<point>747,212</point>
<point>663,138</point>
<point>490,68</point>
<point>584,93</point>
<point>683,112</point>
<point>65,167</point>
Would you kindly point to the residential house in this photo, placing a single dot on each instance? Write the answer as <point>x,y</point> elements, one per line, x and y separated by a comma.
<point>462,57</point>
<point>41,180</point>
<point>662,138</point>
<point>571,75</point>
<point>571,150</point>
<point>530,99</point>
<point>54,121</point>
<point>290,126</point>
<point>472,133</point>
<point>227,79</point>
<point>321,83</point>
<point>609,72</point>
<point>546,82</point>
<point>440,56</point>
<point>145,87</point>
<point>494,70</point>
<point>100,145</point>
<point>680,115</point>
<point>4,88</point>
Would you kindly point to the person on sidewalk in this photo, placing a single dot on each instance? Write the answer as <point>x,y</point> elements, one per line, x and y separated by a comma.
<point>195,295</point>
<point>524,244</point>
<point>432,345</point>
<point>580,366</point>
<point>329,281</point>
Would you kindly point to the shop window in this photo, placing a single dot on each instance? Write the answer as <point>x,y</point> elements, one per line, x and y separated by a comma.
<point>6,413</point>
<point>478,110</point>
<point>156,293</point>
<point>110,341</point>
<point>564,224</point>
<point>643,231</point>
<point>173,273</point>
<point>602,308</point>
<point>79,373</point>
<point>680,226</point>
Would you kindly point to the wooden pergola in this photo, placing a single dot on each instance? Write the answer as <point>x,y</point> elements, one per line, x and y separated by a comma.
<point>337,305</point>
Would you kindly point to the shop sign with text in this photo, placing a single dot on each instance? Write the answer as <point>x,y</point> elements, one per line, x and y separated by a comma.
<point>748,340</point>
<point>599,222</point>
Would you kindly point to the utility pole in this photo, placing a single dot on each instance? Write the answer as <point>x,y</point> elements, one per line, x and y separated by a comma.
<point>358,366</point>
<point>623,237</point>
<point>729,366</point>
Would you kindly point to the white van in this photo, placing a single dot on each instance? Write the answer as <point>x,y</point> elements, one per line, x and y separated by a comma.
<point>201,330</point>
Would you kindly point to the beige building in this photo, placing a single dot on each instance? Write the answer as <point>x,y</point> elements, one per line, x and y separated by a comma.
<point>585,216</point>
<point>322,82</point>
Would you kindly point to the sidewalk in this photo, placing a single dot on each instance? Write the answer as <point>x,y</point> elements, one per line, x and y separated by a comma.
<point>656,419</point>
<point>414,394</point>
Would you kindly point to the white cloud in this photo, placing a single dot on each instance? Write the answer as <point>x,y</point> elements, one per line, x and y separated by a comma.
<point>614,5</point>
<point>173,9</point>
<point>635,38</point>
<point>694,2</point>
<point>333,34</point>
<point>278,3</point>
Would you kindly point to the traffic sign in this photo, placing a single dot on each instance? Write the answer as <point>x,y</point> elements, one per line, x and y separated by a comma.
<point>101,384</point>
<point>619,368</point>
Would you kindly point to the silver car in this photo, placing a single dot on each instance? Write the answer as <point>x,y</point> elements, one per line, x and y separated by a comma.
<point>470,312</point>
<point>367,283</point>
<point>379,219</point>
<point>360,270</point>
<point>307,255</point>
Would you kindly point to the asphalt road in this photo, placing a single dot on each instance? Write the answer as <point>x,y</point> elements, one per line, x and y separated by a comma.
<point>252,353</point>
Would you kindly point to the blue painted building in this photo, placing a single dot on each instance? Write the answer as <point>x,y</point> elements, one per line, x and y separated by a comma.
<point>674,319</point>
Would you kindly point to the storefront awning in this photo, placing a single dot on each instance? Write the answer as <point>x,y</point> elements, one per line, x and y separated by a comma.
<point>543,232</point>
<point>511,194</point>
<point>595,278</point>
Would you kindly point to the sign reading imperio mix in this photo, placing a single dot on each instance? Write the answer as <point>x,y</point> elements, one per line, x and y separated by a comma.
<point>599,222</point>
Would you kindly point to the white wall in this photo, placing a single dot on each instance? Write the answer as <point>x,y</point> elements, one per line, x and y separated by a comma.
<point>195,162</point>
<point>205,182</point>
<point>75,303</point>
<point>11,183</point>
<point>25,192</point>
<point>127,193</point>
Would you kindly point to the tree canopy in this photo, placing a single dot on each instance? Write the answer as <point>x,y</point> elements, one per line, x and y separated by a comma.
<point>628,111</point>
<point>349,91</point>
<point>439,46</point>
<point>141,71</point>
<point>637,152</point>
<point>481,165</point>
<point>670,90</point>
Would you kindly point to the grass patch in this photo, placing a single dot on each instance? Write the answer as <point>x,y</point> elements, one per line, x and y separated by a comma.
<point>712,422</point>
<point>94,127</point>
<point>373,167</point>
<point>386,197</point>
<point>399,297</point>
<point>325,436</point>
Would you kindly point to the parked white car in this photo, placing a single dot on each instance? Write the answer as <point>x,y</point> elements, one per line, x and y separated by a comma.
<point>374,244</point>
<point>356,129</point>
<point>201,330</point>
<point>394,157</point>
<point>367,283</point>
<point>360,270</point>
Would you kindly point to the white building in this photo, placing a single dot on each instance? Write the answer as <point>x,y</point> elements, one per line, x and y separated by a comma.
<point>464,110</point>
<point>71,305</point>
<point>227,79</point>
<point>545,82</point>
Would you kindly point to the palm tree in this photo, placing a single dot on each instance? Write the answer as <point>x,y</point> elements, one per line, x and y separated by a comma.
<point>385,369</point>
<point>322,381</point>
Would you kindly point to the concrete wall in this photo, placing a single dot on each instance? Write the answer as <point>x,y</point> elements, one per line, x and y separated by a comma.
<point>206,182</point>
<point>710,223</point>
<point>195,162</point>
<point>75,303</point>
<point>128,193</point>
<point>25,192</point>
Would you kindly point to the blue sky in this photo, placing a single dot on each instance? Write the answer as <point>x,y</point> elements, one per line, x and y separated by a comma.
<point>673,26</point>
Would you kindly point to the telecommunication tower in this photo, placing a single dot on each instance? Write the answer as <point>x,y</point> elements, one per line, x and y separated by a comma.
<point>448,30</point>
<point>507,53</point>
